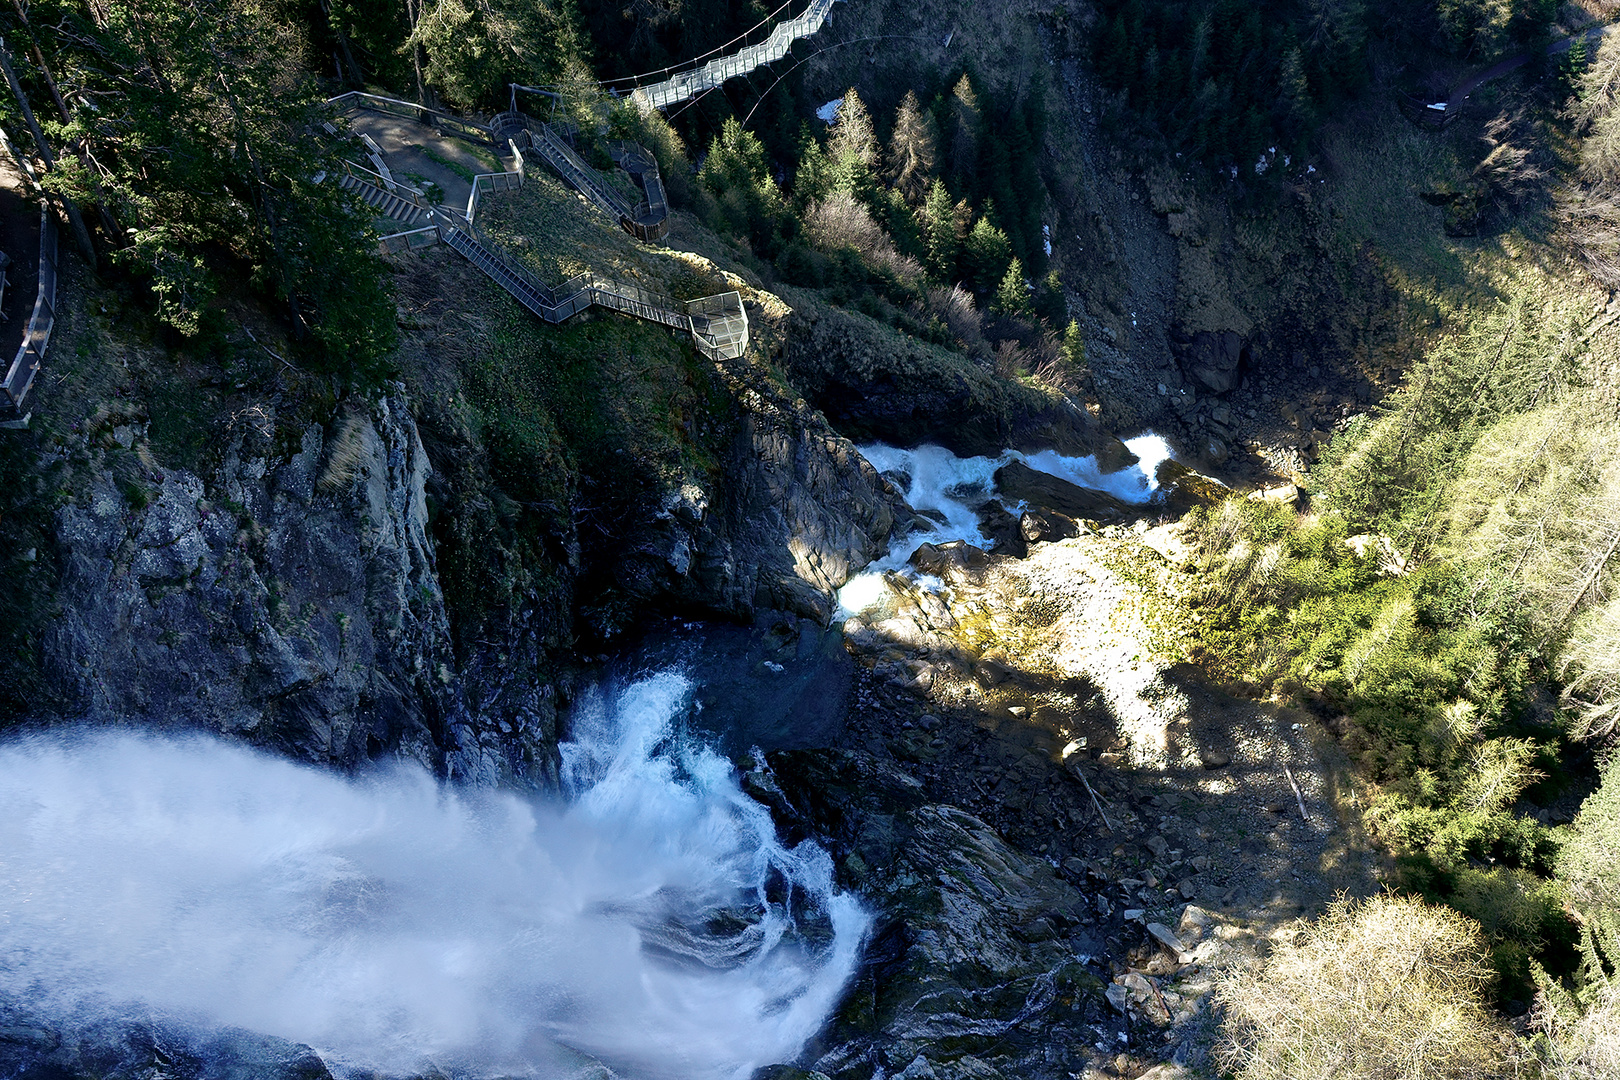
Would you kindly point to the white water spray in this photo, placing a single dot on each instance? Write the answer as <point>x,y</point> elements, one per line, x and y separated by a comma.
<point>951,487</point>
<point>652,922</point>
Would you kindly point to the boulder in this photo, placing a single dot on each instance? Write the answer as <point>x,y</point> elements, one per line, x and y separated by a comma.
<point>997,523</point>
<point>1213,358</point>
<point>957,563</point>
<point>1282,493</point>
<point>1018,482</point>
<point>1046,526</point>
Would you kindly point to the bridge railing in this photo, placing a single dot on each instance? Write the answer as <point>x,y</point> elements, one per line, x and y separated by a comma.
<point>502,181</point>
<point>561,157</point>
<point>410,240</point>
<point>688,84</point>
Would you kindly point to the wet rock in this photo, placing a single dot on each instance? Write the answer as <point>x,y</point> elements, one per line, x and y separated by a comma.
<point>966,957</point>
<point>1018,482</point>
<point>998,524</point>
<point>120,1046</point>
<point>787,1072</point>
<point>957,563</point>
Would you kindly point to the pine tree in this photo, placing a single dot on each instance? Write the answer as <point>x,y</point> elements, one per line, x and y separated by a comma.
<point>966,121</point>
<point>1074,355</point>
<point>737,177</point>
<point>913,149</point>
<point>1012,295</point>
<point>208,139</point>
<point>985,255</point>
<point>937,222</point>
<point>853,146</point>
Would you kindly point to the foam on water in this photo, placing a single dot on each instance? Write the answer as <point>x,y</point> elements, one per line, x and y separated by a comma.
<point>396,923</point>
<point>953,486</point>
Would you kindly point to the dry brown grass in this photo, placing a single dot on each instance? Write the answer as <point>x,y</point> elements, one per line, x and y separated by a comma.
<point>1389,988</point>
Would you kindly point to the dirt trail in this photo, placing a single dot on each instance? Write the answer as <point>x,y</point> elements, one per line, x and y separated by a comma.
<point>1460,92</point>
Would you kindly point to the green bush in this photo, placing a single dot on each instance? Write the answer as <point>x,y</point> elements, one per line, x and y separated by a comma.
<point>1428,667</point>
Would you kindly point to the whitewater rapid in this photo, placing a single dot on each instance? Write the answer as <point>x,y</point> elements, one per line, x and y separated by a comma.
<point>947,488</point>
<point>650,921</point>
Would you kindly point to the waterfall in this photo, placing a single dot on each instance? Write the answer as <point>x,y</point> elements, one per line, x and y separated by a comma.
<point>649,921</point>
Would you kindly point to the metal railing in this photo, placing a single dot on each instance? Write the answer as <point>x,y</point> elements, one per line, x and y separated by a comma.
<point>689,84</point>
<point>718,324</point>
<point>410,240</point>
<point>37,335</point>
<point>461,128</point>
<point>501,181</point>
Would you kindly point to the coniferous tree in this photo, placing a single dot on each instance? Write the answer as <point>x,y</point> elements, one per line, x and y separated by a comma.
<point>985,255</point>
<point>937,222</point>
<point>471,51</point>
<point>1012,295</point>
<point>853,147</point>
<point>965,122</point>
<point>206,135</point>
<point>743,198</point>
<point>913,149</point>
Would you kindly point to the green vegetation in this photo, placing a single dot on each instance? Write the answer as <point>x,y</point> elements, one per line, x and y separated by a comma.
<point>1224,81</point>
<point>198,135</point>
<point>1429,670</point>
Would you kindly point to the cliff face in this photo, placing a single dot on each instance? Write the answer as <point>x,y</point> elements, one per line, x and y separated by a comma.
<point>292,602</point>
<point>799,511</point>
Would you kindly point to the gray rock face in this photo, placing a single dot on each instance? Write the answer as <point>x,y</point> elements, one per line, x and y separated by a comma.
<point>293,604</point>
<point>1212,359</point>
<point>798,512</point>
<point>970,972</point>
<point>875,383</point>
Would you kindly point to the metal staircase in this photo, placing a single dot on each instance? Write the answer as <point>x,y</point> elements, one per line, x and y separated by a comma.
<point>383,201</point>
<point>718,324</point>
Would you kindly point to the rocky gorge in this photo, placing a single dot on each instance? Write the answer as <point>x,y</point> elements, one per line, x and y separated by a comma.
<point>933,787</point>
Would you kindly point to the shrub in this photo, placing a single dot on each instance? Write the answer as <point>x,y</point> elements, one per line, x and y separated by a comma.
<point>1590,860</point>
<point>1388,988</point>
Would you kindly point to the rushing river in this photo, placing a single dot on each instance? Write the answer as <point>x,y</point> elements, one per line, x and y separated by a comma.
<point>650,920</point>
<point>950,488</point>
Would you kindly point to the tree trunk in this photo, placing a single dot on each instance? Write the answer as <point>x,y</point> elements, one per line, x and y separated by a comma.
<point>80,234</point>
<point>1591,580</point>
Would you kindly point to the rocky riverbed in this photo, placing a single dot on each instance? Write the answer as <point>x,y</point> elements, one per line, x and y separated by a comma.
<point>1027,766</point>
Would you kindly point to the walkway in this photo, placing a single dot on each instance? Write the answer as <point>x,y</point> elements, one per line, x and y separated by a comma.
<point>718,324</point>
<point>1459,93</point>
<point>689,84</point>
